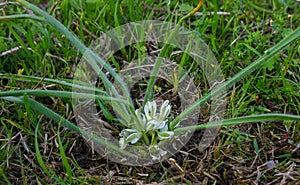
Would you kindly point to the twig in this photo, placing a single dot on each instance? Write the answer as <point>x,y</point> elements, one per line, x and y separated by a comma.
<point>12,50</point>
<point>211,13</point>
<point>9,3</point>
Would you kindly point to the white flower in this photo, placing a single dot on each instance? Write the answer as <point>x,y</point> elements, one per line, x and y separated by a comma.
<point>129,136</point>
<point>147,122</point>
<point>122,143</point>
<point>141,122</point>
<point>165,110</point>
<point>134,137</point>
<point>155,125</point>
<point>150,110</point>
<point>156,153</point>
<point>165,128</point>
<point>165,135</point>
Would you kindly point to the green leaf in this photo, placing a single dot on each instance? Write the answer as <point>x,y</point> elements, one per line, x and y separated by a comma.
<point>256,147</point>
<point>240,120</point>
<point>64,158</point>
<point>185,7</point>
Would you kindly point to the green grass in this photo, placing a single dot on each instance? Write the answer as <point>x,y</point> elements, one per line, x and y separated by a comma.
<point>35,149</point>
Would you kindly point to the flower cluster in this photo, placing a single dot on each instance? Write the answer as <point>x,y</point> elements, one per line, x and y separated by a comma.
<point>148,124</point>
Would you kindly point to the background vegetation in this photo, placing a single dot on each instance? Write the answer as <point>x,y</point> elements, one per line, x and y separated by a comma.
<point>36,150</point>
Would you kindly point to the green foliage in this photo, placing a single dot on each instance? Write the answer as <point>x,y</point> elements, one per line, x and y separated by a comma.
<point>46,60</point>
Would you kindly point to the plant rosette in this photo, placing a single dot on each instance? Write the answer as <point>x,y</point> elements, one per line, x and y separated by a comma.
<point>149,132</point>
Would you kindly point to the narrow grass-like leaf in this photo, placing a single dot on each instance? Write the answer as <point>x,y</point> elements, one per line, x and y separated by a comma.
<point>240,120</point>
<point>260,61</point>
<point>92,58</point>
<point>18,38</point>
<point>154,72</point>
<point>256,147</point>
<point>38,107</point>
<point>39,157</point>
<point>20,16</point>
<point>64,157</point>
<point>61,94</point>
<point>4,178</point>
<point>38,153</point>
<point>252,49</point>
<point>106,113</point>
<point>184,58</point>
<point>21,127</point>
<point>27,107</point>
<point>62,82</point>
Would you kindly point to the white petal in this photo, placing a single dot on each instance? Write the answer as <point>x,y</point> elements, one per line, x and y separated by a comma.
<point>146,110</point>
<point>122,143</point>
<point>162,152</point>
<point>154,125</point>
<point>165,128</point>
<point>151,125</point>
<point>140,121</point>
<point>165,110</point>
<point>153,108</point>
<point>150,110</point>
<point>134,137</point>
<point>154,152</point>
<point>165,135</point>
<point>160,124</point>
<point>143,120</point>
<point>137,112</point>
<point>126,132</point>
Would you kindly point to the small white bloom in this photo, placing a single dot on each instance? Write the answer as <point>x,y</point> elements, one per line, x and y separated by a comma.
<point>165,128</point>
<point>165,135</point>
<point>165,110</point>
<point>129,135</point>
<point>155,125</point>
<point>151,125</point>
<point>127,132</point>
<point>122,143</point>
<point>156,153</point>
<point>140,123</point>
<point>148,122</point>
<point>134,137</point>
<point>150,110</point>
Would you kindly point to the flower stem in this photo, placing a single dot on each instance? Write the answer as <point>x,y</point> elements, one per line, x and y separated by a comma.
<point>146,139</point>
<point>153,138</point>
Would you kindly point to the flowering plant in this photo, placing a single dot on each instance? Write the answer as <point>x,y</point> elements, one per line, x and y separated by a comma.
<point>144,126</point>
<point>148,123</point>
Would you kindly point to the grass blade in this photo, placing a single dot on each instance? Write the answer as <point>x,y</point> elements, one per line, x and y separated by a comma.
<point>64,157</point>
<point>269,54</point>
<point>38,107</point>
<point>20,16</point>
<point>62,82</point>
<point>240,120</point>
<point>38,153</point>
<point>90,56</point>
<point>61,94</point>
